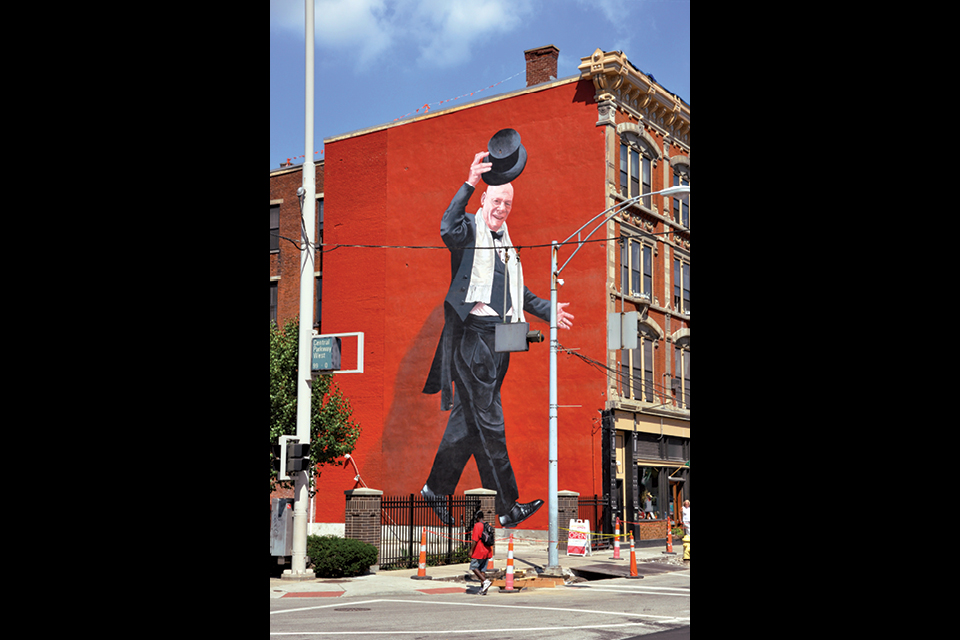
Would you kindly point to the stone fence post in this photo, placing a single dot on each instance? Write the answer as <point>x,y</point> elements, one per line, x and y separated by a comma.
<point>568,508</point>
<point>488,504</point>
<point>361,518</point>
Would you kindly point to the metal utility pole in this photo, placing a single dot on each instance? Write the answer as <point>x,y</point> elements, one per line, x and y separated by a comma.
<point>553,563</point>
<point>304,382</point>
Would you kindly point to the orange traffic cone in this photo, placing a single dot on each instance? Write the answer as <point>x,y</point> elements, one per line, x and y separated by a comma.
<point>669,550</point>
<point>633,560</point>
<point>422,569</point>
<point>616,541</point>
<point>509,578</point>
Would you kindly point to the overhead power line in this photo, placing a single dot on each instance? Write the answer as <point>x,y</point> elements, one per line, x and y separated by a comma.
<point>333,246</point>
<point>659,389</point>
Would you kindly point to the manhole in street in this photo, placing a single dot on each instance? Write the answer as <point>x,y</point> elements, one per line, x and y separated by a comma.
<point>351,609</point>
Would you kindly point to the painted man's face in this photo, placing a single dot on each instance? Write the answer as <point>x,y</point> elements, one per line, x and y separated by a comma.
<point>496,203</point>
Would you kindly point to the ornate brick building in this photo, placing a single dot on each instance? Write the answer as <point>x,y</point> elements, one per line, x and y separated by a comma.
<point>594,140</point>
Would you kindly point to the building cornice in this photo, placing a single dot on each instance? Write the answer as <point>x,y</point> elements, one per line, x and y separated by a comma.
<point>616,80</point>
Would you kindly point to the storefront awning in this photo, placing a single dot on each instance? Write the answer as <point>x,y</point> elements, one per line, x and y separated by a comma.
<point>674,466</point>
<point>650,424</point>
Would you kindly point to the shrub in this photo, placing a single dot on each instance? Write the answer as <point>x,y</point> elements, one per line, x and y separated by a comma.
<point>334,557</point>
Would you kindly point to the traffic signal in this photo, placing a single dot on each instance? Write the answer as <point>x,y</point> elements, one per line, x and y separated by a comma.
<point>298,457</point>
<point>289,457</point>
<point>276,455</point>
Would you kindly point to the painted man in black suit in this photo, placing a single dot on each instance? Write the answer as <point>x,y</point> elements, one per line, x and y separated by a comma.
<point>481,267</point>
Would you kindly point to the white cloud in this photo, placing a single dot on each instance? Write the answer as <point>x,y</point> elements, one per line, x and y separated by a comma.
<point>358,30</point>
<point>361,25</point>
<point>625,17</point>
<point>458,31</point>
<point>445,33</point>
<point>616,12</point>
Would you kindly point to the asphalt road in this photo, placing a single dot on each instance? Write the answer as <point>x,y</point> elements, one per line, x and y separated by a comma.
<point>656,608</point>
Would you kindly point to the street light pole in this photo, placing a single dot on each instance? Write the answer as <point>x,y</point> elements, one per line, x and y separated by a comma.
<point>308,223</point>
<point>553,563</point>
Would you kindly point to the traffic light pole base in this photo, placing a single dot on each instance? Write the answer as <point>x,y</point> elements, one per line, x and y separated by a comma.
<point>553,571</point>
<point>298,577</point>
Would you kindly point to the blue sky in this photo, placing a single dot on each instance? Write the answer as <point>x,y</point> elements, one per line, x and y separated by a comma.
<point>380,60</point>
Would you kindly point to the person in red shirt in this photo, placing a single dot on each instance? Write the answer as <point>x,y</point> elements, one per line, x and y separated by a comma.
<point>479,554</point>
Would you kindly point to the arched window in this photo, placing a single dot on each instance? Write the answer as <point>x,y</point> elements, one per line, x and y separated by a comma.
<point>638,157</point>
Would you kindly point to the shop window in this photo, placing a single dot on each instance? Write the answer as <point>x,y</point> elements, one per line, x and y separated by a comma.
<point>649,491</point>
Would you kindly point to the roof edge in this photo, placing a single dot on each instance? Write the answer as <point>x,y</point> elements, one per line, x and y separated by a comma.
<point>467,105</point>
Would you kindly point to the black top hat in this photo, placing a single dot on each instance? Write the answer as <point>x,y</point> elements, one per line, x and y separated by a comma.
<point>507,155</point>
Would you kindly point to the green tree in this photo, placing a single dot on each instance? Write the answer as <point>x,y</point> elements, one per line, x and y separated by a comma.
<point>332,433</point>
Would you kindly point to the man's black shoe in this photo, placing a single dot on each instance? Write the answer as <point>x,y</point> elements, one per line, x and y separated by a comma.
<point>438,504</point>
<point>519,513</point>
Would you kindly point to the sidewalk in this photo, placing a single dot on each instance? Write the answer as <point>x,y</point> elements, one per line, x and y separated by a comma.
<point>457,578</point>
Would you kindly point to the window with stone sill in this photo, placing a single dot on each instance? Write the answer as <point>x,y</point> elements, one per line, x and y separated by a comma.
<point>681,285</point>
<point>635,170</point>
<point>636,268</point>
<point>636,371</point>
<point>274,227</point>
<point>681,373</point>
<point>273,301</point>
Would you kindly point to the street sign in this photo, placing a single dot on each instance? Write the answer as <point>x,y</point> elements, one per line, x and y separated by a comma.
<point>629,329</point>
<point>511,336</point>
<point>622,330</point>
<point>325,354</point>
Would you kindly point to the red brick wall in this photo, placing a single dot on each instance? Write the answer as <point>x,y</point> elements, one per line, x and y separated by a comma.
<point>286,263</point>
<point>390,187</point>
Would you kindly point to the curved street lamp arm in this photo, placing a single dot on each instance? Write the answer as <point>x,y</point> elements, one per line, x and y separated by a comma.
<point>612,211</point>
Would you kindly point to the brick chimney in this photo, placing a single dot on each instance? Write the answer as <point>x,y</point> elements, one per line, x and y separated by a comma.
<point>541,64</point>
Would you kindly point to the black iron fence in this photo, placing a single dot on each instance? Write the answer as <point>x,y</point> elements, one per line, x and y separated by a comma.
<point>402,519</point>
<point>595,509</point>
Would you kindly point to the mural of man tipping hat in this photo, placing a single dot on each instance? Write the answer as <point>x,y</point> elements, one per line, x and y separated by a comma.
<point>466,369</point>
